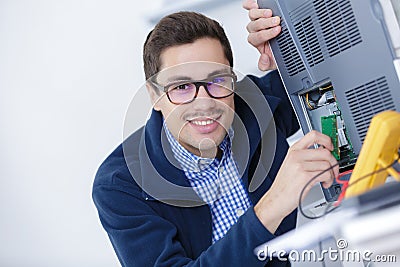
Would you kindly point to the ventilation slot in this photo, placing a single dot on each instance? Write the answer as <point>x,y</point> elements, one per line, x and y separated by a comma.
<point>338,25</point>
<point>290,55</point>
<point>309,41</point>
<point>367,100</point>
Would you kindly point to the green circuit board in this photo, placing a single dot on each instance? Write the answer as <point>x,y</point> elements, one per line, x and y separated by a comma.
<point>329,128</point>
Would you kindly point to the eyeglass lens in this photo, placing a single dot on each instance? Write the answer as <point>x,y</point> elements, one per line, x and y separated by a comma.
<point>218,87</point>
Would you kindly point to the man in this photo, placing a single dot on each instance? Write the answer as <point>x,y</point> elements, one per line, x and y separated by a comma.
<point>176,193</point>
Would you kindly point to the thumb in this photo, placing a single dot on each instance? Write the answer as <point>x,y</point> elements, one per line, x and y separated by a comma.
<point>264,62</point>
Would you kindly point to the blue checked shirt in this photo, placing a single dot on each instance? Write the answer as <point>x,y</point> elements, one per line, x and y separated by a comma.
<point>216,181</point>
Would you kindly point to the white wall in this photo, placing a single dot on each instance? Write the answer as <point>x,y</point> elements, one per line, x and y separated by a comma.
<point>68,70</point>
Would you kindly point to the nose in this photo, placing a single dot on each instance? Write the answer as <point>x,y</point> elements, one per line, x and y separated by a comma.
<point>202,93</point>
<point>203,99</point>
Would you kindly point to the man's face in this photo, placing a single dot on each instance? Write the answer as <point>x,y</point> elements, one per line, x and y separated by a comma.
<point>201,125</point>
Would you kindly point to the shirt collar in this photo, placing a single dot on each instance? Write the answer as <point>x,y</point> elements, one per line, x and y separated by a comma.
<point>192,162</point>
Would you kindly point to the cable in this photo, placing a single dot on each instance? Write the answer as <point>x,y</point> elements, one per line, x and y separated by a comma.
<point>308,102</point>
<point>326,88</point>
<point>341,175</point>
<point>344,184</point>
<point>343,189</point>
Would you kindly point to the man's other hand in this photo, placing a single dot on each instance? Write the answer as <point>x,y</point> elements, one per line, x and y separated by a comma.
<point>262,28</point>
<point>301,164</point>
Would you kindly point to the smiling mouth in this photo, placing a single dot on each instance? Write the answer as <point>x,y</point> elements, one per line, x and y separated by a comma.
<point>202,122</point>
<point>204,125</point>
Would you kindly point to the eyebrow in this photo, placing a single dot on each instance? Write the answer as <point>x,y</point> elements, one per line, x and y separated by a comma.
<point>187,78</point>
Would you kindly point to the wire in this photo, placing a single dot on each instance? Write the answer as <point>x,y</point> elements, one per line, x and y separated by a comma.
<point>326,88</point>
<point>344,184</point>
<point>344,187</point>
<point>342,194</point>
<point>341,175</point>
<point>308,102</point>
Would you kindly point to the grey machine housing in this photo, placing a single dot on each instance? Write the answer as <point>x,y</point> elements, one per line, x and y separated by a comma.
<point>340,62</point>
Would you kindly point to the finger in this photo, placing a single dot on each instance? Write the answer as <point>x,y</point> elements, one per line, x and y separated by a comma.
<point>249,4</point>
<point>261,37</point>
<point>333,161</point>
<point>263,24</point>
<point>326,185</point>
<point>326,178</point>
<point>257,13</point>
<point>322,178</point>
<point>315,157</point>
<point>267,56</point>
<point>311,155</point>
<point>264,63</point>
<point>330,165</point>
<point>316,166</point>
<point>312,138</point>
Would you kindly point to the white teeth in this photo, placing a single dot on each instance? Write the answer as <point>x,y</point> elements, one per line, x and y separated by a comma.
<point>203,123</point>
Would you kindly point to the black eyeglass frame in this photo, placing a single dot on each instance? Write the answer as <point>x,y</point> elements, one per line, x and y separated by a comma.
<point>197,84</point>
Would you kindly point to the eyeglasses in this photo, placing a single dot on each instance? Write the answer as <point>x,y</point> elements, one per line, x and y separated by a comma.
<point>184,91</point>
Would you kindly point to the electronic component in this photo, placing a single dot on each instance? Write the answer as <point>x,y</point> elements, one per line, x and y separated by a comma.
<point>329,128</point>
<point>324,115</point>
<point>380,150</point>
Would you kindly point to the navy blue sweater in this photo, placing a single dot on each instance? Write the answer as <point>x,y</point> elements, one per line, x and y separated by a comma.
<point>152,223</point>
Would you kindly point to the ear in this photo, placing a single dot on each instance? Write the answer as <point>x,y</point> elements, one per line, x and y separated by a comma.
<point>155,98</point>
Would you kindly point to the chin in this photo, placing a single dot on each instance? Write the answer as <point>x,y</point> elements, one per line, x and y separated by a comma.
<point>209,142</point>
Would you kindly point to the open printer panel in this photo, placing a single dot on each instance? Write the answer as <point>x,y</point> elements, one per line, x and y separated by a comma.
<point>340,63</point>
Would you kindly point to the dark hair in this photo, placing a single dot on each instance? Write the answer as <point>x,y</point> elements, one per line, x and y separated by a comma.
<point>178,29</point>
